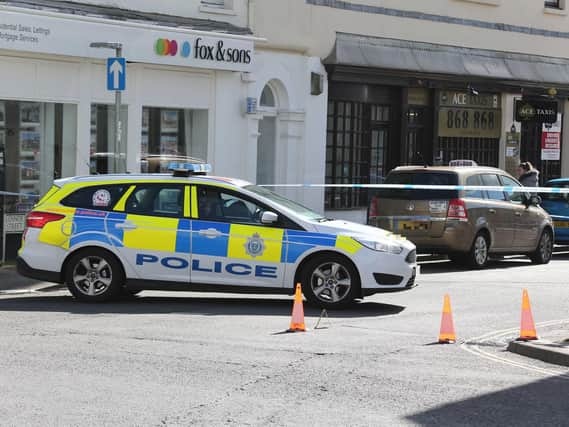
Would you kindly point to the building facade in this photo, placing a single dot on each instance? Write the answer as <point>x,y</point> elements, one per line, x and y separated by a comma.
<point>420,82</point>
<point>198,83</point>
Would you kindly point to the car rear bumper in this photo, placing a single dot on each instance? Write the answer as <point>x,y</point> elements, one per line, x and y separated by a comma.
<point>457,236</point>
<point>24,269</point>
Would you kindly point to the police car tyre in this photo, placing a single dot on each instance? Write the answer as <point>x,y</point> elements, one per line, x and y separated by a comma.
<point>330,281</point>
<point>479,252</point>
<point>94,275</point>
<point>544,250</point>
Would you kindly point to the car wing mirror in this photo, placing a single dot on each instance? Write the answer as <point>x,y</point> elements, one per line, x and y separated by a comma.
<point>534,200</point>
<point>269,217</point>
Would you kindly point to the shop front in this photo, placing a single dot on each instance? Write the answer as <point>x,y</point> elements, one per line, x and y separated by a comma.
<point>183,97</point>
<point>394,102</point>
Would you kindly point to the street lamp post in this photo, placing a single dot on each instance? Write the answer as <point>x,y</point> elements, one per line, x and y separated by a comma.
<point>118,161</point>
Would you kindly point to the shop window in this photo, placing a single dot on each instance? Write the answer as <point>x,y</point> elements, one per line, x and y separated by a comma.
<point>358,136</point>
<point>556,4</point>
<point>37,145</point>
<point>105,156</point>
<point>170,134</point>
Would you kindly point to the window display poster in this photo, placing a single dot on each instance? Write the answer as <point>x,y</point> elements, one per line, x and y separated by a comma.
<point>169,144</point>
<point>30,113</point>
<point>29,170</point>
<point>145,119</point>
<point>169,121</point>
<point>30,142</point>
<point>551,140</point>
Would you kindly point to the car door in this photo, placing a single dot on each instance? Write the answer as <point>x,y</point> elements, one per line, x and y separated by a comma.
<point>153,220</point>
<point>500,215</point>
<point>230,245</point>
<point>526,218</point>
<point>557,205</point>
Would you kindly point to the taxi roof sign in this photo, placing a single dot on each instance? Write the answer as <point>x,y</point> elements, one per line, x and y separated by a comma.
<point>187,169</point>
<point>462,163</point>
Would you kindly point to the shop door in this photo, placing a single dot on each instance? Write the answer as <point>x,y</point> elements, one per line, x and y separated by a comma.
<point>531,152</point>
<point>417,148</point>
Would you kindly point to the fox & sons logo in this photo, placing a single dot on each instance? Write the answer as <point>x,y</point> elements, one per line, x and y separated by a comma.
<point>200,49</point>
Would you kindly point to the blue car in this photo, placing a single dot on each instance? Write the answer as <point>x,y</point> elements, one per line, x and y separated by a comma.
<point>557,205</point>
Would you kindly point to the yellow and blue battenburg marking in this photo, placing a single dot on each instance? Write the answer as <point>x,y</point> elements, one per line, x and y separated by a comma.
<point>185,236</point>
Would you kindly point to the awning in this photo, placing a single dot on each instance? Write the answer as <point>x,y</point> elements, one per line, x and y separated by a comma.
<point>435,59</point>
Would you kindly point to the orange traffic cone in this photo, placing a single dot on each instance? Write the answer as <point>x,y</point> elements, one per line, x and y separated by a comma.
<point>527,329</point>
<point>297,321</point>
<point>447,335</point>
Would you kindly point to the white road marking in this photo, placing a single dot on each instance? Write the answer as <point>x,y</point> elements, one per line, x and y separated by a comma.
<point>471,346</point>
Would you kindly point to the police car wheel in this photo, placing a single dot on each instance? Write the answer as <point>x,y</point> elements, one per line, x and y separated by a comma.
<point>330,281</point>
<point>93,275</point>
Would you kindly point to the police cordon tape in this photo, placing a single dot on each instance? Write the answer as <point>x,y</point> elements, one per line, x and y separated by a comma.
<point>8,193</point>
<point>548,190</point>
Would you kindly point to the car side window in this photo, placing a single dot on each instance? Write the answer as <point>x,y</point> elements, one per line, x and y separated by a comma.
<point>474,180</point>
<point>492,180</point>
<point>98,197</point>
<point>214,204</point>
<point>509,182</point>
<point>556,197</point>
<point>156,200</point>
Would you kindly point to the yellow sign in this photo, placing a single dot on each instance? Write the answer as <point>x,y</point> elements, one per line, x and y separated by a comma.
<point>464,115</point>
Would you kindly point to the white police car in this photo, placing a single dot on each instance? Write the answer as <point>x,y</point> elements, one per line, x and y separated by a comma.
<point>103,235</point>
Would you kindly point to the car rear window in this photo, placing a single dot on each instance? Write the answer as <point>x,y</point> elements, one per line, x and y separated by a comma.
<point>420,178</point>
<point>98,197</point>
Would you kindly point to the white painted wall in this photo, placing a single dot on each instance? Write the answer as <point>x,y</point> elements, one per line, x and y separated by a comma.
<point>235,11</point>
<point>312,29</point>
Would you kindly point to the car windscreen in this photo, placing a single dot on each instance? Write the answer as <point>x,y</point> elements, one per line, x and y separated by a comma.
<point>420,178</point>
<point>298,209</point>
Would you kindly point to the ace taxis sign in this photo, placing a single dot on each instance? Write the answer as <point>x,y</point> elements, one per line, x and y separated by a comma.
<point>536,111</point>
<point>464,115</point>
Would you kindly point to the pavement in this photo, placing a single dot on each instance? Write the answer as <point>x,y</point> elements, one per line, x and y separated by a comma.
<point>178,359</point>
<point>551,347</point>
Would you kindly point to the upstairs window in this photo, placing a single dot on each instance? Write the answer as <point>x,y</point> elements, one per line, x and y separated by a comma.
<point>555,4</point>
<point>213,3</point>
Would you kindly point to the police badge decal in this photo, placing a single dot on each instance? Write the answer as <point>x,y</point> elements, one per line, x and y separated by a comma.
<point>255,246</point>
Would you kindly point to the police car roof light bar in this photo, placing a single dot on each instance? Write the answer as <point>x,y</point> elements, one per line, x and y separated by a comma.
<point>187,169</point>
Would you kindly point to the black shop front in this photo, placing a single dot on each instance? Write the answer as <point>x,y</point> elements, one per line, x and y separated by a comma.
<point>394,102</point>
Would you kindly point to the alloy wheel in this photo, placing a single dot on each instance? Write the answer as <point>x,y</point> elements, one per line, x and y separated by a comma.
<point>480,250</point>
<point>545,246</point>
<point>331,282</point>
<point>92,275</point>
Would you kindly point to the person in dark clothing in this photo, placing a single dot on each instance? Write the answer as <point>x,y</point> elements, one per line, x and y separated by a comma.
<point>528,175</point>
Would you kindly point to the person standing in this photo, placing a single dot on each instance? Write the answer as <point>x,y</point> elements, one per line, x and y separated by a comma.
<point>528,175</point>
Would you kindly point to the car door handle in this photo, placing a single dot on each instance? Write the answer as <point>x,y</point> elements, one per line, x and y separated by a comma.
<point>518,214</point>
<point>127,225</point>
<point>492,211</point>
<point>212,233</point>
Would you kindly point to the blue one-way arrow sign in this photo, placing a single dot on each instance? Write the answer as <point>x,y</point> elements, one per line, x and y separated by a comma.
<point>116,73</point>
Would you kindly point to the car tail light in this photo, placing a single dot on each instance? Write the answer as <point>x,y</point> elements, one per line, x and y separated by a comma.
<point>457,210</point>
<point>373,207</point>
<point>40,219</point>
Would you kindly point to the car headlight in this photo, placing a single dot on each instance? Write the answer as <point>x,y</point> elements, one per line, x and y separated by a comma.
<point>390,247</point>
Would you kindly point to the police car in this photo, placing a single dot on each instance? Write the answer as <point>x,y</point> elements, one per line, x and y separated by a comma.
<point>186,231</point>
